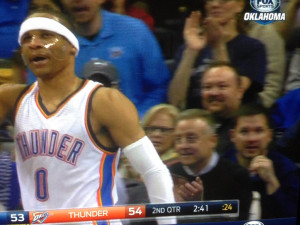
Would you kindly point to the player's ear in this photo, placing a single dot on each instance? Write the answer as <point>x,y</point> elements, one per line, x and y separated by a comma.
<point>73,51</point>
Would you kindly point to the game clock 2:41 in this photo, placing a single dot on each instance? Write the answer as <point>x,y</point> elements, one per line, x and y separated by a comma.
<point>200,208</point>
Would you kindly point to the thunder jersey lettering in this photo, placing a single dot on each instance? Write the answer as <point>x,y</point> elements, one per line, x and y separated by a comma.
<point>59,165</point>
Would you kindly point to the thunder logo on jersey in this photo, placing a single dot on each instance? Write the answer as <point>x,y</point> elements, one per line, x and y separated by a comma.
<point>49,143</point>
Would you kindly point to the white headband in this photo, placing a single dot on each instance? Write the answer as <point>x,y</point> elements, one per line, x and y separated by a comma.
<point>42,23</point>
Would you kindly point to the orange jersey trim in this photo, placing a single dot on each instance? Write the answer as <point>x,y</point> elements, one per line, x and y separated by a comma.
<point>60,106</point>
<point>101,169</point>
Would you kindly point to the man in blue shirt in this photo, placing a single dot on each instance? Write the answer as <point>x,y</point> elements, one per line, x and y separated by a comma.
<point>273,175</point>
<point>128,44</point>
<point>12,14</point>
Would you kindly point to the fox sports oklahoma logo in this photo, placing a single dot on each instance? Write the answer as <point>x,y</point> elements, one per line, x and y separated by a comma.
<point>264,11</point>
<point>265,5</point>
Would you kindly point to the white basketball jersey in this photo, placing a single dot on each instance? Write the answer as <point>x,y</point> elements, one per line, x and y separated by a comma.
<point>59,163</point>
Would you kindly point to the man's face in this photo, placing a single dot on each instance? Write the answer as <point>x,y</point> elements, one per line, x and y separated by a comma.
<point>221,93</point>
<point>160,131</point>
<point>45,52</point>
<point>194,143</point>
<point>82,11</point>
<point>224,10</point>
<point>44,4</point>
<point>251,136</point>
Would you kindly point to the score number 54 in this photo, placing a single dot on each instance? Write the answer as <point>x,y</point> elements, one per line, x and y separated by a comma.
<point>135,212</point>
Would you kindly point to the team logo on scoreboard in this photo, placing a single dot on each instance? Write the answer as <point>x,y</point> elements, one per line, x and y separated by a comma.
<point>265,11</point>
<point>39,217</point>
<point>254,223</point>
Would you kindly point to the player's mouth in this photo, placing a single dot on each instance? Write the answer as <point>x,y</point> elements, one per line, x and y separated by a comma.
<point>39,60</point>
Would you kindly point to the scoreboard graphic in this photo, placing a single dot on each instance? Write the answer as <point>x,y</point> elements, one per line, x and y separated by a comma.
<point>224,208</point>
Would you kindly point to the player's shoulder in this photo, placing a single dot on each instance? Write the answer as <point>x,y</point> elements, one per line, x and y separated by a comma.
<point>111,102</point>
<point>105,94</point>
<point>109,99</point>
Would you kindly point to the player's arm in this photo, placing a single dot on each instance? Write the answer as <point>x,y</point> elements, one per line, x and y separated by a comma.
<point>118,115</point>
<point>8,96</point>
<point>115,112</point>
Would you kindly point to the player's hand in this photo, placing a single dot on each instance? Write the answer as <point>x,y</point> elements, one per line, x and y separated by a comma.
<point>190,191</point>
<point>193,35</point>
<point>263,167</point>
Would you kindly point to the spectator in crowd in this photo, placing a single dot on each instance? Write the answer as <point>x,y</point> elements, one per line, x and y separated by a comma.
<point>286,110</point>
<point>135,8</point>
<point>13,70</point>
<point>159,123</point>
<point>128,44</point>
<point>285,28</point>
<point>45,5</point>
<point>291,34</point>
<point>273,175</point>
<point>12,14</point>
<point>292,76</point>
<point>10,197</point>
<point>288,142</point>
<point>220,36</point>
<point>7,74</point>
<point>200,173</point>
<point>221,95</point>
<point>276,60</point>
<point>275,53</point>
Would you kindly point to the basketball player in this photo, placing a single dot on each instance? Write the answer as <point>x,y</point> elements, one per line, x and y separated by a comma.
<point>68,130</point>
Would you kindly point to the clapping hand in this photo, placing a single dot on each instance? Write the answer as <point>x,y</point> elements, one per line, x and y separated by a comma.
<point>193,32</point>
<point>190,191</point>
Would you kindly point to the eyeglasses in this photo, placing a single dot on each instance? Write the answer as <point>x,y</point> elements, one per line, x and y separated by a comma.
<point>162,130</point>
<point>189,139</point>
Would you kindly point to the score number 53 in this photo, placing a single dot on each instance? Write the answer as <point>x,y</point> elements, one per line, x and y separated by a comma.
<point>17,217</point>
